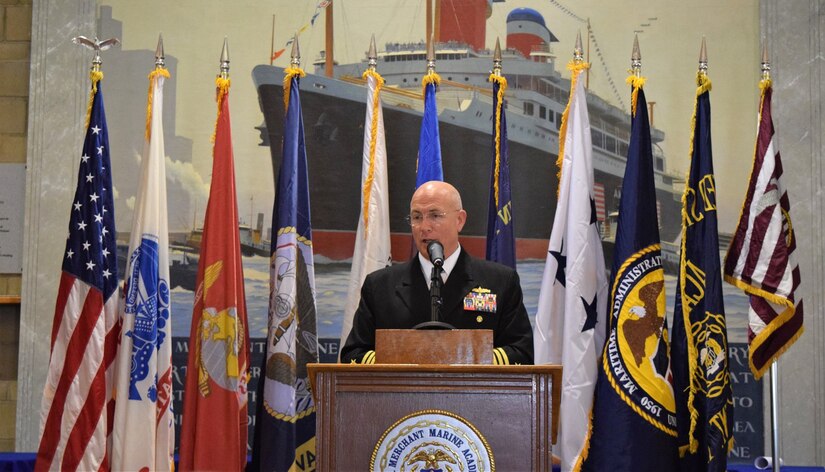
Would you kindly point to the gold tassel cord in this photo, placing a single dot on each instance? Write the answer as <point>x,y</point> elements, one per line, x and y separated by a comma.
<point>576,69</point>
<point>222,86</point>
<point>431,77</point>
<point>376,107</point>
<point>95,76</point>
<point>637,83</point>
<point>502,87</point>
<point>149,97</point>
<point>289,73</point>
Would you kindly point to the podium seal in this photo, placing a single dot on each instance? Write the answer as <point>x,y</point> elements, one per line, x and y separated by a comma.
<point>432,441</point>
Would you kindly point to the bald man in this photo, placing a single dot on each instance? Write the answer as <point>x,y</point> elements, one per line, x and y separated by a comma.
<point>477,294</point>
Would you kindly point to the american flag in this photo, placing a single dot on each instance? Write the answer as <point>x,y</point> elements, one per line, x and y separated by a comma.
<point>74,412</point>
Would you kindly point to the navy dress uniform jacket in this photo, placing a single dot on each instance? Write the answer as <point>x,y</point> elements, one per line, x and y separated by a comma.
<point>398,297</point>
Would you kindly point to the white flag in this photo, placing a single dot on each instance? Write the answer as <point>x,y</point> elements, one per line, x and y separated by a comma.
<point>570,323</point>
<point>144,435</point>
<point>372,240</point>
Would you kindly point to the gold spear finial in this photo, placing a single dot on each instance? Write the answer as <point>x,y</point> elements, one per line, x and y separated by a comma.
<point>225,59</point>
<point>578,54</point>
<point>497,59</point>
<point>766,63</point>
<point>703,58</point>
<point>372,56</point>
<point>295,56</point>
<point>636,58</point>
<point>160,59</point>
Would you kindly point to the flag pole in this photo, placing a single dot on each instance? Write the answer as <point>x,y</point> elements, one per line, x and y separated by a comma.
<point>272,42</point>
<point>766,75</point>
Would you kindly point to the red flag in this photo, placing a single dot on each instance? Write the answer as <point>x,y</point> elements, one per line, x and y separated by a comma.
<point>760,259</point>
<point>277,54</point>
<point>214,432</point>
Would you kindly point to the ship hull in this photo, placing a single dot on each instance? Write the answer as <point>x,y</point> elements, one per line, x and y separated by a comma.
<point>334,134</point>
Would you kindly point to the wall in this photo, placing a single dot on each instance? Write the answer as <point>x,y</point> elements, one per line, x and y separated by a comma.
<point>59,92</point>
<point>15,41</point>
<point>796,43</point>
<point>58,95</point>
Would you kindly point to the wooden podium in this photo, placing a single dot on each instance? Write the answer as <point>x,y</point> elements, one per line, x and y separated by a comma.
<point>512,407</point>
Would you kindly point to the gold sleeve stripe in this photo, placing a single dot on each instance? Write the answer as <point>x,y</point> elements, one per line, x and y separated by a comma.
<point>500,357</point>
<point>369,358</point>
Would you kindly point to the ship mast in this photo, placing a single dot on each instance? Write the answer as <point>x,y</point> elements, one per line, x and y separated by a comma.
<point>328,42</point>
<point>429,18</point>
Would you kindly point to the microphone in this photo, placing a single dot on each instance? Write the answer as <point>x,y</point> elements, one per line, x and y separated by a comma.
<point>436,251</point>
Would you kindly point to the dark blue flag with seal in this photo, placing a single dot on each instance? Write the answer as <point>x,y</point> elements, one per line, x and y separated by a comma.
<point>501,240</point>
<point>633,425</point>
<point>701,377</point>
<point>285,422</point>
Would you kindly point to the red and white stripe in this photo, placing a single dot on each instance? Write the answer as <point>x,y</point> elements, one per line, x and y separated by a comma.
<point>760,259</point>
<point>74,413</point>
<point>598,195</point>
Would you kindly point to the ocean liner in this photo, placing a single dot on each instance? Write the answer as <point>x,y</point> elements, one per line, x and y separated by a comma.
<point>334,108</point>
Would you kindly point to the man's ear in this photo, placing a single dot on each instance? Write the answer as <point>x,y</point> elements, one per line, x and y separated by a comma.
<point>462,218</point>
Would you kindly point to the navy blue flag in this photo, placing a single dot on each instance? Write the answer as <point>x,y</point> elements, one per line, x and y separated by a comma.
<point>285,428</point>
<point>701,378</point>
<point>501,240</point>
<point>429,144</point>
<point>634,422</point>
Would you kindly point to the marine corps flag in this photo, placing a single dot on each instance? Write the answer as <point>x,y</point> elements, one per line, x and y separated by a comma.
<point>285,424</point>
<point>572,308</point>
<point>634,423</point>
<point>501,240</point>
<point>214,431</point>
<point>74,413</point>
<point>760,260</point>
<point>701,378</point>
<point>144,428</point>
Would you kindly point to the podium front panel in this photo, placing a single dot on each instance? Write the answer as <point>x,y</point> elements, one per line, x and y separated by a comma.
<point>510,406</point>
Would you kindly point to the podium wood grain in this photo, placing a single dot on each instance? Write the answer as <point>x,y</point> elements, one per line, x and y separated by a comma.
<point>511,406</point>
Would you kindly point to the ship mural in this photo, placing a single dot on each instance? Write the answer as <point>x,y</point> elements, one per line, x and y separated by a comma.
<point>334,108</point>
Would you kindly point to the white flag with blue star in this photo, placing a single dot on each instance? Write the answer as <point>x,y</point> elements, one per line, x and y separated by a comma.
<point>570,323</point>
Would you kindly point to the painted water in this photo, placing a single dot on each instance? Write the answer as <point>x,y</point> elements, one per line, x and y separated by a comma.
<point>331,280</point>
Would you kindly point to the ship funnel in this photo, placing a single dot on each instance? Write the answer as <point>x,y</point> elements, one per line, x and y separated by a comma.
<point>528,34</point>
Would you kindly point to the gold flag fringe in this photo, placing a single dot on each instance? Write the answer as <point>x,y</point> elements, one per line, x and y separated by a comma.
<point>289,73</point>
<point>152,76</point>
<point>95,76</point>
<point>502,87</point>
<point>431,77</point>
<point>376,107</point>
<point>637,83</point>
<point>576,70</point>
<point>222,89</point>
